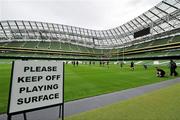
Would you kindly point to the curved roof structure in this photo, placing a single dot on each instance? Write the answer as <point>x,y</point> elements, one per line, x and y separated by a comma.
<point>162,19</point>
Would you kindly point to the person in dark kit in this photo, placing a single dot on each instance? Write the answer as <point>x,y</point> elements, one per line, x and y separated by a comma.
<point>100,63</point>
<point>73,63</point>
<point>121,64</point>
<point>104,63</point>
<point>145,66</point>
<point>77,63</point>
<point>160,72</point>
<point>132,65</point>
<point>173,67</point>
<point>107,64</point>
<point>89,62</point>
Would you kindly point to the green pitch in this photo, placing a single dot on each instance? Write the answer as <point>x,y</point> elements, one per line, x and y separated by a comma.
<point>162,104</point>
<point>86,81</point>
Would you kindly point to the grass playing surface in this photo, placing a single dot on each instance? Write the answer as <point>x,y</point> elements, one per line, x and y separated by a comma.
<point>163,104</point>
<point>85,80</point>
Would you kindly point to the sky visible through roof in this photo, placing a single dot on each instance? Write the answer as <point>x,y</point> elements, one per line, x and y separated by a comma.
<point>91,14</point>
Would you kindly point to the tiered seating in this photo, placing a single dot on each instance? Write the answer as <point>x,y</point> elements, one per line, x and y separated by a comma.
<point>83,49</point>
<point>74,47</point>
<point>2,44</point>
<point>14,44</point>
<point>175,52</point>
<point>145,44</point>
<point>132,51</point>
<point>131,47</point>
<point>160,42</point>
<point>176,39</point>
<point>107,51</point>
<point>158,53</point>
<point>65,47</point>
<point>116,50</point>
<point>141,45</point>
<point>55,45</point>
<point>98,51</point>
<point>91,50</point>
<point>43,45</point>
<point>30,44</point>
<point>135,56</point>
<point>154,43</point>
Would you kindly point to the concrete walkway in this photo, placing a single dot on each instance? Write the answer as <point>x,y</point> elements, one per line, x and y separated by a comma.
<point>82,105</point>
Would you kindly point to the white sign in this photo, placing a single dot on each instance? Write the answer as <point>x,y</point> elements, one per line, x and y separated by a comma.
<point>36,84</point>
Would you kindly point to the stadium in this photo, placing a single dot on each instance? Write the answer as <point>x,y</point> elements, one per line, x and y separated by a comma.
<point>103,60</point>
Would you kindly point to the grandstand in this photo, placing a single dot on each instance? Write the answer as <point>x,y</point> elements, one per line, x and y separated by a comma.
<point>50,40</point>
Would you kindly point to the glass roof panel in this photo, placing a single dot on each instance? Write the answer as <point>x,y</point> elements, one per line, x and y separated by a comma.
<point>157,18</point>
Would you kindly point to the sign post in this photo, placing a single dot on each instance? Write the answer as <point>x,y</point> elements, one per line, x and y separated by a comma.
<point>36,85</point>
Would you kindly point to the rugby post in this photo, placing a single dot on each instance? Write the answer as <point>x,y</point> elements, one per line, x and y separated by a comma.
<point>36,85</point>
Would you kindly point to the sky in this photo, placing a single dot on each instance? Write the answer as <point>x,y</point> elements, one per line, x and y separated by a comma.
<point>91,14</point>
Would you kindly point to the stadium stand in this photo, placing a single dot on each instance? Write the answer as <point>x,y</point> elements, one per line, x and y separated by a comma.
<point>39,39</point>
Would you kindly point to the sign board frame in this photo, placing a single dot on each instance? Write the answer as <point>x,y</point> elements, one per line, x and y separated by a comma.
<point>61,105</point>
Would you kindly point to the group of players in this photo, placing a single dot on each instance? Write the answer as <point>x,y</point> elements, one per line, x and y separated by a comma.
<point>101,63</point>
<point>172,66</point>
<point>159,72</point>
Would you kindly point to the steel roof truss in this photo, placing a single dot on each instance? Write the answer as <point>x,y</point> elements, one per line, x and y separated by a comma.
<point>25,29</point>
<point>10,29</point>
<point>167,13</point>
<point>32,29</point>
<point>161,18</point>
<point>147,24</point>
<point>169,4</point>
<point>3,30</point>
<point>153,22</point>
<point>18,28</point>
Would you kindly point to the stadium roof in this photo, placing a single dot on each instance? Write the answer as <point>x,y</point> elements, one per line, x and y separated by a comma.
<point>90,14</point>
<point>162,18</point>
